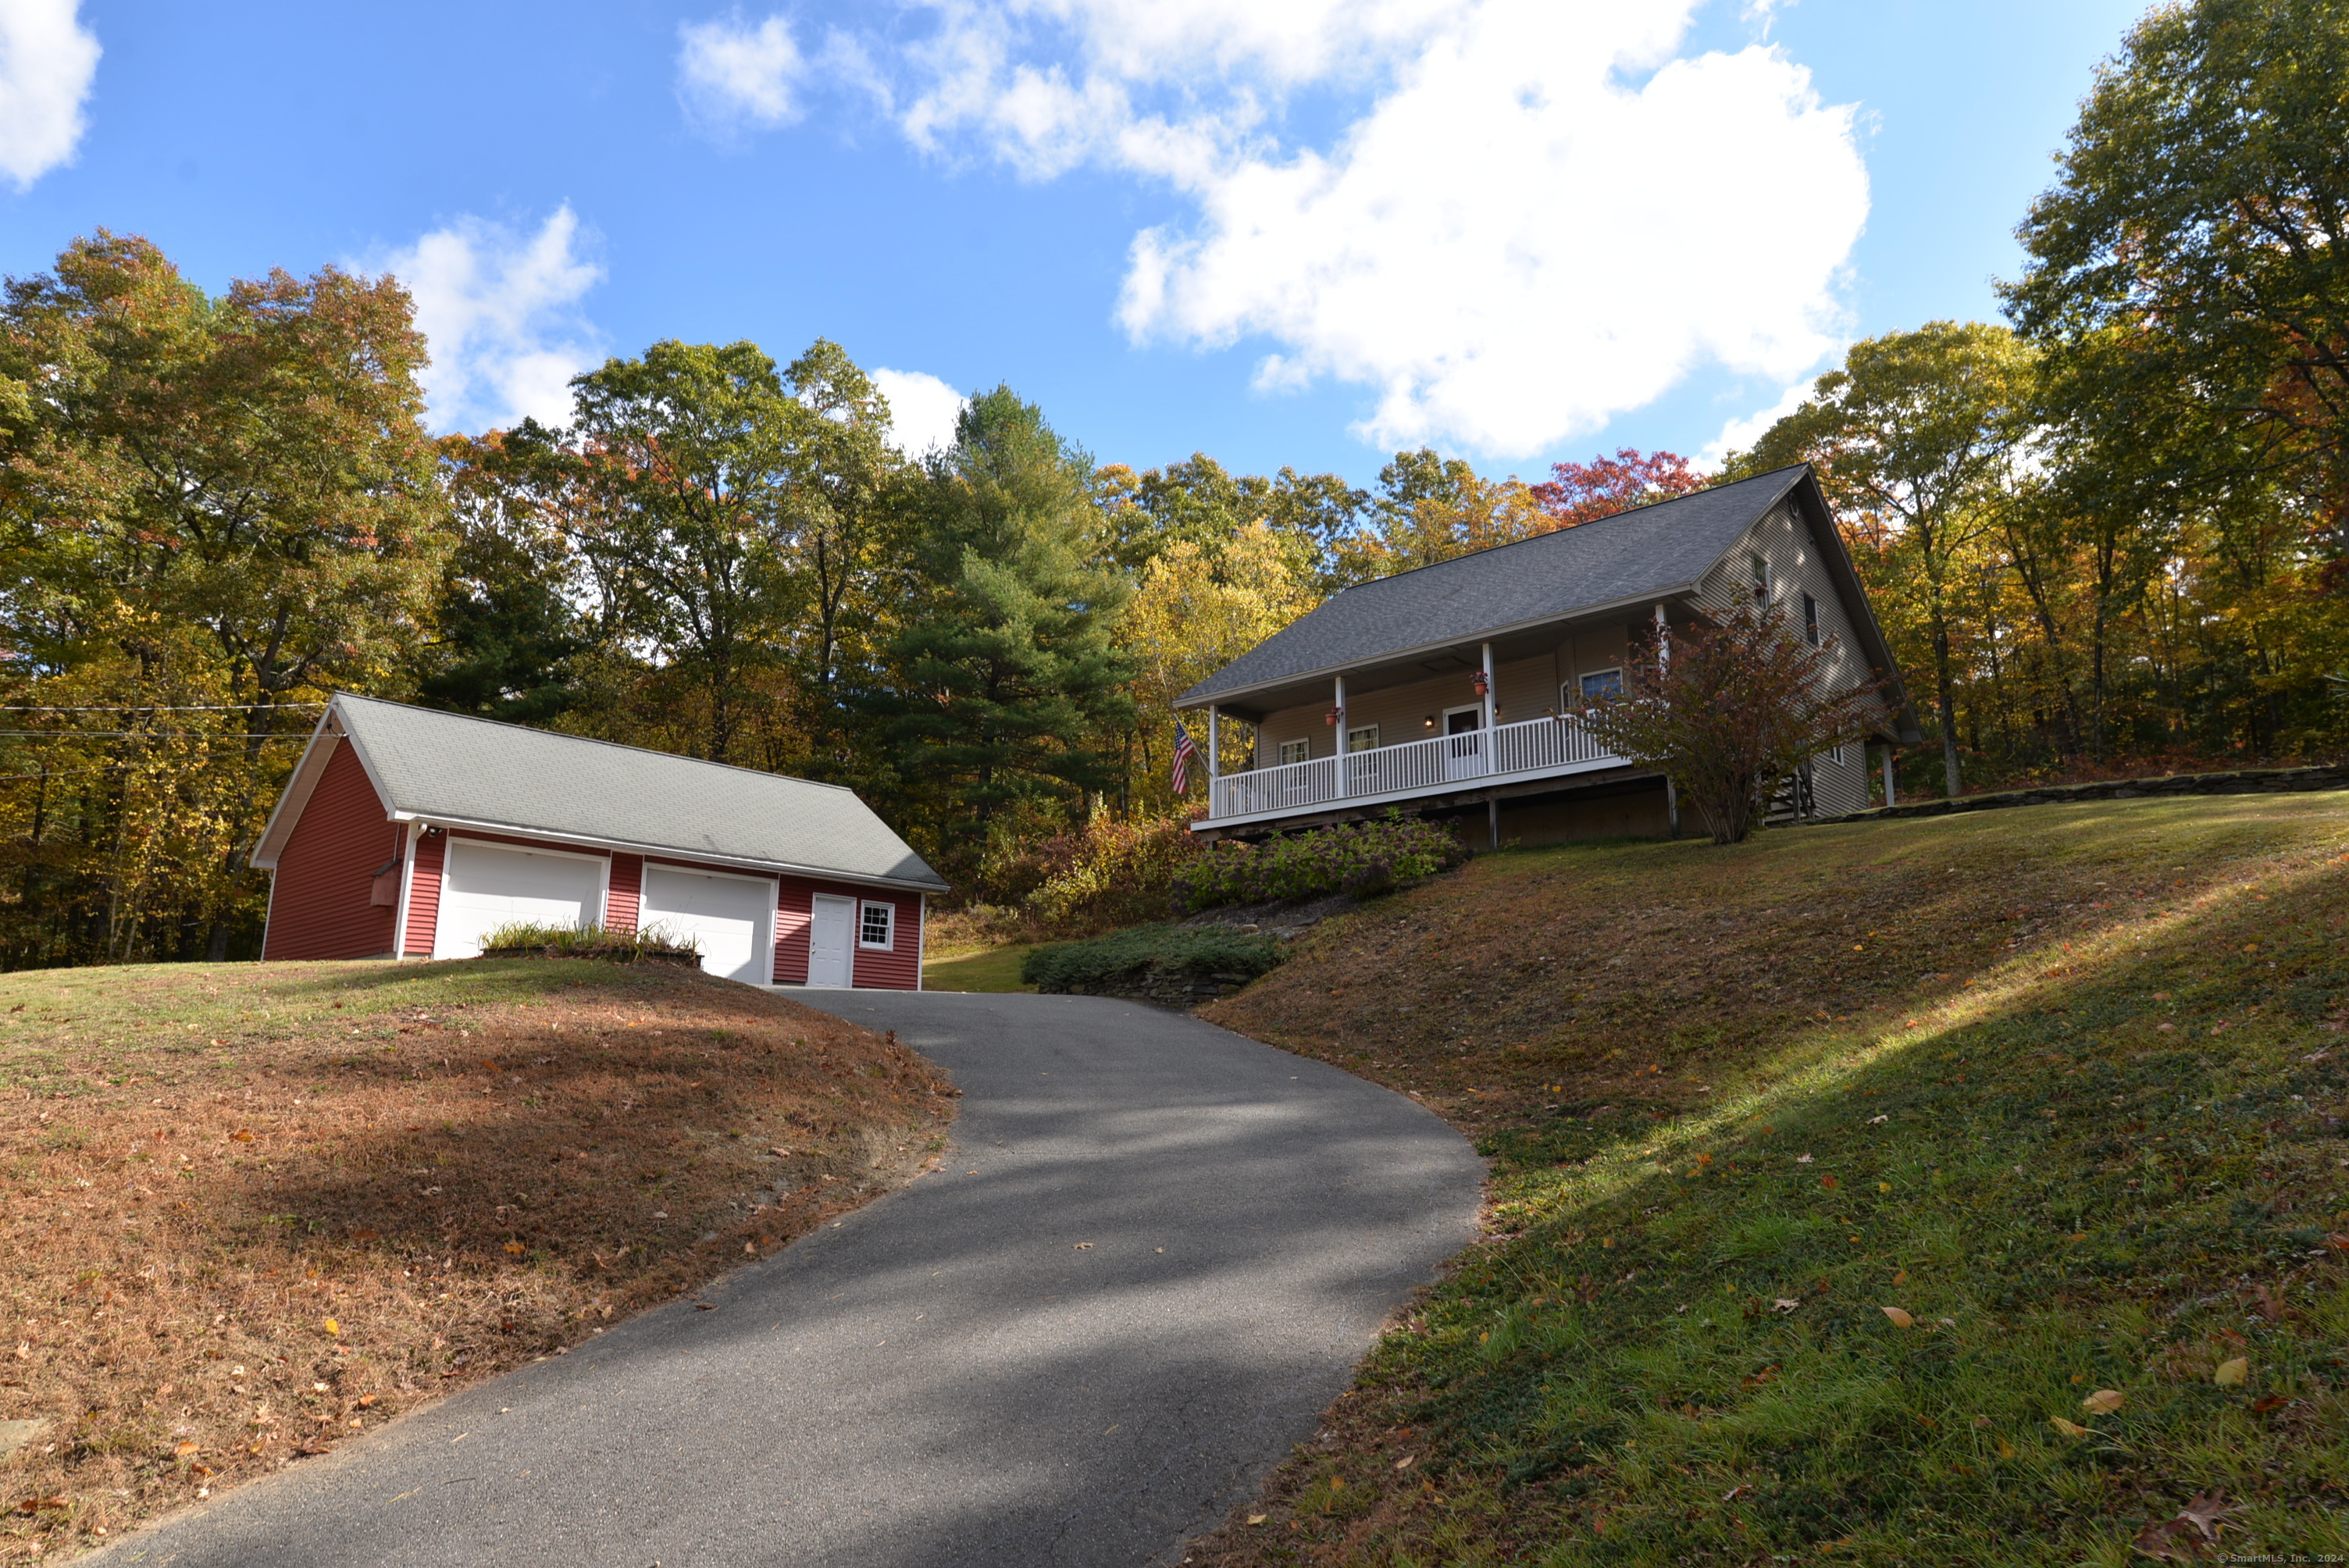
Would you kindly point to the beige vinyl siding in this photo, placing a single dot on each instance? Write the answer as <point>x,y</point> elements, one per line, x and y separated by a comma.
<point>1784,541</point>
<point>1524,689</point>
<point>1838,787</point>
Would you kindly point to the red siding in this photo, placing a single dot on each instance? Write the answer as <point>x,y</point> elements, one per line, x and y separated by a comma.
<point>627,893</point>
<point>424,894</point>
<point>896,969</point>
<point>320,903</point>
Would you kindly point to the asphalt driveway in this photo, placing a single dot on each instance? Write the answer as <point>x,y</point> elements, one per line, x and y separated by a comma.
<point>1155,1256</point>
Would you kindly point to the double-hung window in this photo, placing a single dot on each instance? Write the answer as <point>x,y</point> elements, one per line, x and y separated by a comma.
<point>1760,566</point>
<point>1362,738</point>
<point>878,926</point>
<point>1296,751</point>
<point>1811,620</point>
<point>1598,685</point>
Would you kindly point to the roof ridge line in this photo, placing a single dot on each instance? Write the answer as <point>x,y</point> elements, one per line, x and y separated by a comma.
<point>1563,528</point>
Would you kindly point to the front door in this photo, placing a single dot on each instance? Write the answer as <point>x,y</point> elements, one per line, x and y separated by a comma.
<point>831,935</point>
<point>1464,743</point>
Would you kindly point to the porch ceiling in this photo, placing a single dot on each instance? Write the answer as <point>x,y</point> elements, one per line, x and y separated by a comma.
<point>1256,703</point>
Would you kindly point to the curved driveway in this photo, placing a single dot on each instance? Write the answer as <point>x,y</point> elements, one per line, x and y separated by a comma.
<point>1156,1255</point>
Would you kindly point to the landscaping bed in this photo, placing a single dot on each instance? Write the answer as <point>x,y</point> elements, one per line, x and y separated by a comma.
<point>1169,965</point>
<point>1970,1190</point>
<point>253,1211</point>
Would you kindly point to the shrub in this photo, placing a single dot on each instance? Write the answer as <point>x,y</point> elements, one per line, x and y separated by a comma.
<point>1359,858</point>
<point>531,939</point>
<point>1149,958</point>
<point>1115,873</point>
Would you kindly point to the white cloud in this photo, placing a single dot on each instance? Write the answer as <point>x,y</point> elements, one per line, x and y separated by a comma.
<point>1538,214</point>
<point>47,62</point>
<point>728,72</point>
<point>922,410</point>
<point>1739,434</point>
<point>500,311</point>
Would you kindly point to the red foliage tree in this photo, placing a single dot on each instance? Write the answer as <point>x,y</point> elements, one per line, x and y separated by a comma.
<point>1581,492</point>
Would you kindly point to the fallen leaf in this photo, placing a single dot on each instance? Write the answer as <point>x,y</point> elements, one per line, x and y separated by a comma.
<point>1877,1120</point>
<point>1828,1182</point>
<point>516,1249</point>
<point>2268,1402</point>
<point>184,1449</point>
<point>1407,1461</point>
<point>1337,1483</point>
<point>366,1399</point>
<point>2104,1401</point>
<point>1084,1246</point>
<point>1258,1518</point>
<point>1734,1492</point>
<point>365,1235</point>
<point>1899,1318</point>
<point>2005,1450</point>
<point>1802,1160</point>
<point>2066,1428</point>
<point>2231,1371</point>
<point>1784,1303</point>
<point>242,1136</point>
<point>1900,1278</point>
<point>334,1328</point>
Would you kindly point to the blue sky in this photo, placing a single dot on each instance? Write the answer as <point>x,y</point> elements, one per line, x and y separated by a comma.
<point>1299,233</point>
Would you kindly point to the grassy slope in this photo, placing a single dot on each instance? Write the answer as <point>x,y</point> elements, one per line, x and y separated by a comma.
<point>251,1210</point>
<point>2066,1085</point>
<point>979,969</point>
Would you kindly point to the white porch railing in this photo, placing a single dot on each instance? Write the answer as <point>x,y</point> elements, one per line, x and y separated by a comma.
<point>1533,746</point>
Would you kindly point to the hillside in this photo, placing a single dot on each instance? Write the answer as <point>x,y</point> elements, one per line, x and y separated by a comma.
<point>251,1210</point>
<point>1969,1189</point>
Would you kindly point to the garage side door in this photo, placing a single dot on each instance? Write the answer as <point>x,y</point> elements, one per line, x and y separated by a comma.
<point>487,885</point>
<point>733,917</point>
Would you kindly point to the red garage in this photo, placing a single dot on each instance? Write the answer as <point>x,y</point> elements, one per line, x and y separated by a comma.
<point>407,833</point>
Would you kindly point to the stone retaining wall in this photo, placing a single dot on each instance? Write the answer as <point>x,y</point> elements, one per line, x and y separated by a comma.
<point>2242,781</point>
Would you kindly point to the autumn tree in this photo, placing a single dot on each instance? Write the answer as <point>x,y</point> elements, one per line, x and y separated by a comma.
<point>1728,710</point>
<point>1584,492</point>
<point>1917,441</point>
<point>216,510</point>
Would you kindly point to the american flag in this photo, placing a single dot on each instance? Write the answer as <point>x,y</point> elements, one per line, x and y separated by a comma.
<point>1183,752</point>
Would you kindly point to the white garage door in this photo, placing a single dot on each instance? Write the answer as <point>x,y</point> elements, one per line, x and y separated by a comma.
<point>487,885</point>
<point>734,916</point>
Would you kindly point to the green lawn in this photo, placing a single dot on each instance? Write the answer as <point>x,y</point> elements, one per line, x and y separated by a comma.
<point>986,969</point>
<point>1969,1190</point>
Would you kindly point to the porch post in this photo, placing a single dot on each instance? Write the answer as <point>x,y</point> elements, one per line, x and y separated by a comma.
<point>1492,749</point>
<point>1215,754</point>
<point>1672,790</point>
<point>1888,773</point>
<point>1338,745</point>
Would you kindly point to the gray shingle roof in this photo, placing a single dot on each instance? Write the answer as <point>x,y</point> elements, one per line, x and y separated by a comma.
<point>1626,556</point>
<point>445,767</point>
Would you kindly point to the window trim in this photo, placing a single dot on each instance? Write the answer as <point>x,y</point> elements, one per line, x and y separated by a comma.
<point>1812,628</point>
<point>1306,755</point>
<point>865,908</point>
<point>1583,675</point>
<point>1764,581</point>
<point>1369,729</point>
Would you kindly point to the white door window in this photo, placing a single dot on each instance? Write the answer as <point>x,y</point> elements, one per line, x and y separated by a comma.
<point>730,917</point>
<point>832,933</point>
<point>484,886</point>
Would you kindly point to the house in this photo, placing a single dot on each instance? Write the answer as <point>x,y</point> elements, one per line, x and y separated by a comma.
<point>407,833</point>
<point>1448,691</point>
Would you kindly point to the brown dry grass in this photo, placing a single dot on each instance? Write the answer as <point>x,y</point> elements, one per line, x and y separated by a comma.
<point>256,1210</point>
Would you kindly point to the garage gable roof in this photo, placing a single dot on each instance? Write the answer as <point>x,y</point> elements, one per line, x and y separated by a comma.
<point>449,768</point>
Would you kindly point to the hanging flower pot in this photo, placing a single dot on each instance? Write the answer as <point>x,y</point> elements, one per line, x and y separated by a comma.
<point>1483,684</point>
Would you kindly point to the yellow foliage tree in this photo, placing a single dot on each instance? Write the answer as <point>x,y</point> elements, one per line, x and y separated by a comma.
<point>1197,610</point>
